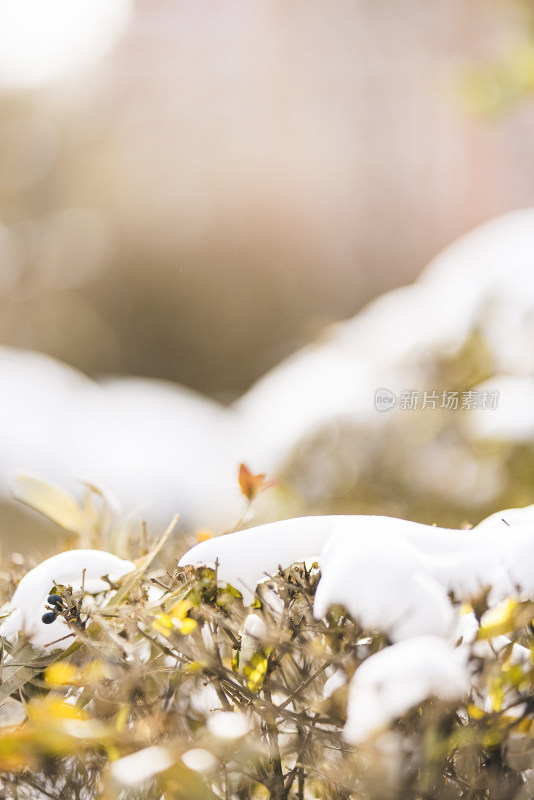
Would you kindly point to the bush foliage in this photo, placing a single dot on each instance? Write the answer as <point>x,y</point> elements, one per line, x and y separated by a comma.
<point>174,689</point>
<point>169,661</point>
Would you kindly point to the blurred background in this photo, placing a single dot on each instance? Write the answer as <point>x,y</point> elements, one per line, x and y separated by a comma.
<point>193,190</point>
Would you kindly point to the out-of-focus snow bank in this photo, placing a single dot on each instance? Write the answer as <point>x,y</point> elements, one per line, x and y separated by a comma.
<point>467,325</point>
<point>454,353</point>
<point>482,283</point>
<point>158,448</point>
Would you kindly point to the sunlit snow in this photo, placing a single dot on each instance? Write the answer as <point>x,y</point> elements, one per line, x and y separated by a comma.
<point>29,601</point>
<point>138,767</point>
<point>228,725</point>
<point>397,678</point>
<point>396,577</point>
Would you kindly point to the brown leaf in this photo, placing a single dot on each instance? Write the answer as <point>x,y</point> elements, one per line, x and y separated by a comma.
<point>251,484</point>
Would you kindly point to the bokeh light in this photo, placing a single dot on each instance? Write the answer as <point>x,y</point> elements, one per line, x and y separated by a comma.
<point>43,42</point>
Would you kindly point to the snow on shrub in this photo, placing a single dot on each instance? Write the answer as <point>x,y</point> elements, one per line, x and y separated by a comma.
<point>319,657</point>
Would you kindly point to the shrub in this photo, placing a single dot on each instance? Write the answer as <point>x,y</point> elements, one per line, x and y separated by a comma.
<point>175,689</point>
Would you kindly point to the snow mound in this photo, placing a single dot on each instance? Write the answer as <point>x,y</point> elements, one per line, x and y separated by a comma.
<point>391,574</point>
<point>164,449</point>
<point>397,679</point>
<point>29,601</point>
<point>382,582</point>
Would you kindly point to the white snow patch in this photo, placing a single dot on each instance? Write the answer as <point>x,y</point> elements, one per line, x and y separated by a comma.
<point>200,760</point>
<point>334,682</point>
<point>204,700</point>
<point>139,767</point>
<point>229,725</point>
<point>394,680</point>
<point>254,626</point>
<point>382,582</point>
<point>247,557</point>
<point>512,419</point>
<point>392,574</point>
<point>29,601</point>
<point>506,517</point>
<point>191,446</point>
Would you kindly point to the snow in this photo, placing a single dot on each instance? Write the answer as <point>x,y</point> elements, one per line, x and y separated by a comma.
<point>140,766</point>
<point>254,626</point>
<point>482,282</point>
<point>508,516</point>
<point>161,448</point>
<point>200,760</point>
<point>334,682</point>
<point>171,447</point>
<point>247,557</point>
<point>392,574</point>
<point>382,583</point>
<point>395,577</point>
<point>400,677</point>
<point>204,700</point>
<point>29,601</point>
<point>513,418</point>
<point>228,725</point>
<point>12,713</point>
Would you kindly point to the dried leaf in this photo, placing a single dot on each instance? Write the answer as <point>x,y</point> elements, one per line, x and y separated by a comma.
<point>25,665</point>
<point>251,484</point>
<point>52,502</point>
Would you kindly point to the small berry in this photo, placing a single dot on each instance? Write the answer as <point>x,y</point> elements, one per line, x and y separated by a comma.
<point>49,617</point>
<point>55,600</point>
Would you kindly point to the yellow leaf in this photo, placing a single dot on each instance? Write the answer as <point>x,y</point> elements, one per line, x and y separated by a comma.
<point>475,712</point>
<point>194,666</point>
<point>51,709</point>
<point>113,752</point>
<point>492,738</point>
<point>61,673</point>
<point>256,671</point>
<point>499,620</point>
<point>188,626</point>
<point>52,502</point>
<point>122,717</point>
<point>179,611</point>
<point>515,675</point>
<point>525,725</point>
<point>496,695</point>
<point>163,624</point>
<point>16,750</point>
